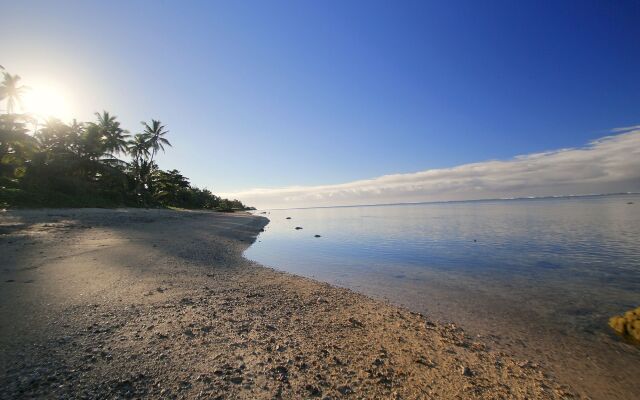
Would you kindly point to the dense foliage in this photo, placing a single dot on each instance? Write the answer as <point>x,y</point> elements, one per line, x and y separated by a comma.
<point>88,164</point>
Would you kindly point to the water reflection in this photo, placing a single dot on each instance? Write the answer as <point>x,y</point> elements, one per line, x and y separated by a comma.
<point>568,263</point>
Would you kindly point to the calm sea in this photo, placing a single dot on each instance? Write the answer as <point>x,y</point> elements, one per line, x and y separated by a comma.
<point>534,268</point>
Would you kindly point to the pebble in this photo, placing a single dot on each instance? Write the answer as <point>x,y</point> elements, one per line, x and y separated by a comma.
<point>344,390</point>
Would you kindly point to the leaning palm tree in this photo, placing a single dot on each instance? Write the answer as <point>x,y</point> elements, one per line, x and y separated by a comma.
<point>12,91</point>
<point>155,136</point>
<point>115,138</point>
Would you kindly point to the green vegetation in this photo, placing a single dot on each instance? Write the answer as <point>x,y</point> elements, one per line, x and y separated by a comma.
<point>88,164</point>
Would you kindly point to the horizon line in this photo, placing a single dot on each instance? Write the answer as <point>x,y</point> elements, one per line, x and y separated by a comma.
<point>456,201</point>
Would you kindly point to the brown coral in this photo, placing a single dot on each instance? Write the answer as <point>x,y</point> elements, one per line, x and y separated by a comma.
<point>628,325</point>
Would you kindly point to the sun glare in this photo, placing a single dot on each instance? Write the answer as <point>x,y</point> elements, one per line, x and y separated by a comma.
<point>45,101</point>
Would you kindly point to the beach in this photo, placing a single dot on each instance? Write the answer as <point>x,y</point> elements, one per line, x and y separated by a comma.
<point>135,303</point>
<point>538,279</point>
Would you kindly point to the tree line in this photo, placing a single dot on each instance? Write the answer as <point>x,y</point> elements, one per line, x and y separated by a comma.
<point>88,164</point>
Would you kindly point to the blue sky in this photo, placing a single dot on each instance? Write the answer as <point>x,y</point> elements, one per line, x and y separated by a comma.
<point>275,94</point>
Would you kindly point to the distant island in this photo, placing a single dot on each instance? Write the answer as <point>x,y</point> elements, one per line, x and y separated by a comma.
<point>88,164</point>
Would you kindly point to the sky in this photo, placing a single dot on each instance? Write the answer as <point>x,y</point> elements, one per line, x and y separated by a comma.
<point>607,165</point>
<point>261,97</point>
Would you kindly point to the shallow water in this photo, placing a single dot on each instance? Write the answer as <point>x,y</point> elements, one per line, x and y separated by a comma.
<point>530,270</point>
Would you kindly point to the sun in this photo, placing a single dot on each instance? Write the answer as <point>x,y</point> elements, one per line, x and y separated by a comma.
<point>45,101</point>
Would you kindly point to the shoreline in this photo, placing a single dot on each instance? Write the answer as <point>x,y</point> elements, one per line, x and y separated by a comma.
<point>161,303</point>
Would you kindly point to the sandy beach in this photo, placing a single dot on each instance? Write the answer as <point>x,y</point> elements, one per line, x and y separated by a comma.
<point>139,303</point>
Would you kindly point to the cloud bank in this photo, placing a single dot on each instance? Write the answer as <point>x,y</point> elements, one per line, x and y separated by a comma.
<point>607,165</point>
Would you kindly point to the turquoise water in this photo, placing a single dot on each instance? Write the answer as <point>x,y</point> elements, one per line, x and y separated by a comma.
<point>564,264</point>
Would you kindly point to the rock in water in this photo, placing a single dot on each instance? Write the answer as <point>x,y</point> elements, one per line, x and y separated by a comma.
<point>627,325</point>
<point>317,236</point>
<point>298,228</point>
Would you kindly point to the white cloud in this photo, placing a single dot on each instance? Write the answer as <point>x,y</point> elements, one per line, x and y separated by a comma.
<point>610,164</point>
<point>625,129</point>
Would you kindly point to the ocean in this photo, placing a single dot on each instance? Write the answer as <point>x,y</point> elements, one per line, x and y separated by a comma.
<point>536,276</point>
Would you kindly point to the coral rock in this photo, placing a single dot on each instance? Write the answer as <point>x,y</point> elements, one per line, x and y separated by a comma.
<point>627,325</point>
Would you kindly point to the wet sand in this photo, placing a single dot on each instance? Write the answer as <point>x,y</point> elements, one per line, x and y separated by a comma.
<point>600,365</point>
<point>157,303</point>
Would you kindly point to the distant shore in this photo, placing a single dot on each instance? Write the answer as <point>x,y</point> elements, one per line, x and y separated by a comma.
<point>161,303</point>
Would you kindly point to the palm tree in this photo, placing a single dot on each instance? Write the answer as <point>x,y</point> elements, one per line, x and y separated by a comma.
<point>53,136</point>
<point>115,138</point>
<point>76,128</point>
<point>138,147</point>
<point>155,136</point>
<point>141,167</point>
<point>105,120</point>
<point>91,143</point>
<point>1,90</point>
<point>12,91</point>
<point>16,146</point>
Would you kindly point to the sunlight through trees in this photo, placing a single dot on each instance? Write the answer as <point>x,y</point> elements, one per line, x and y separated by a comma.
<point>88,164</point>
